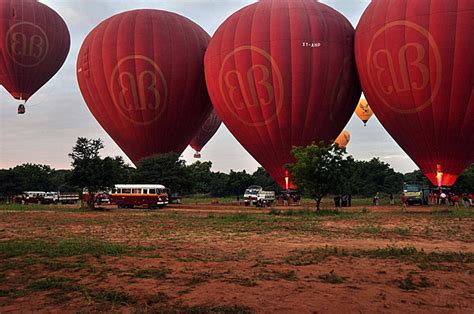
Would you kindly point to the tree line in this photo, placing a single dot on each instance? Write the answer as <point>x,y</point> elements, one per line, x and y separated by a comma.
<point>89,169</point>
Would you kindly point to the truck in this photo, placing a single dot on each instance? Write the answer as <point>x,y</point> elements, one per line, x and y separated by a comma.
<point>60,197</point>
<point>416,194</point>
<point>256,196</point>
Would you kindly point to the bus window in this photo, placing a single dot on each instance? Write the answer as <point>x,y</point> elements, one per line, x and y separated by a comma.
<point>145,191</point>
<point>136,191</point>
<point>115,191</point>
<point>126,191</point>
<point>152,191</point>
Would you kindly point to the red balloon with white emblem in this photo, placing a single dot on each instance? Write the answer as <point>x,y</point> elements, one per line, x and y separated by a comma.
<point>280,74</point>
<point>415,63</point>
<point>141,74</point>
<point>34,43</point>
<point>205,133</point>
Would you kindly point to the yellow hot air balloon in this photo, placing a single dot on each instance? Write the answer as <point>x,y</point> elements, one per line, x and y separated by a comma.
<point>343,139</point>
<point>363,111</point>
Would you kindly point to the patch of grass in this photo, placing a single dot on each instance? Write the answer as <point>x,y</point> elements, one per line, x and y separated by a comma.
<point>155,273</point>
<point>314,256</point>
<point>278,275</point>
<point>368,229</point>
<point>199,278</point>
<point>458,213</point>
<point>405,254</point>
<point>57,283</point>
<point>223,309</point>
<point>402,231</point>
<point>246,282</point>
<point>68,247</point>
<point>331,278</point>
<point>407,284</point>
<point>12,293</point>
<point>113,296</point>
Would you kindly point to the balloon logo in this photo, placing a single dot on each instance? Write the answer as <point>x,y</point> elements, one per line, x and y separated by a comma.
<point>27,44</point>
<point>141,74</point>
<point>395,67</point>
<point>137,92</point>
<point>282,74</point>
<point>239,90</point>
<point>415,65</point>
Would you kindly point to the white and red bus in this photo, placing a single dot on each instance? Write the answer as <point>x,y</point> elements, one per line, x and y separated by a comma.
<point>131,195</point>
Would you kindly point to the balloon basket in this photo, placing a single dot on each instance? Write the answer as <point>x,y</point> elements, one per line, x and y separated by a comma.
<point>197,155</point>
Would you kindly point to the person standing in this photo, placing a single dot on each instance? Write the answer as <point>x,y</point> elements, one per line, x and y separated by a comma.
<point>404,202</point>
<point>437,198</point>
<point>469,197</point>
<point>442,198</point>
<point>455,201</point>
<point>392,201</point>
<point>377,199</point>
<point>465,200</point>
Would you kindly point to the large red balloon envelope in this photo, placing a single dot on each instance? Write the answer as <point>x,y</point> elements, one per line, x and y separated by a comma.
<point>205,133</point>
<point>415,63</point>
<point>34,43</point>
<point>282,74</point>
<point>141,74</point>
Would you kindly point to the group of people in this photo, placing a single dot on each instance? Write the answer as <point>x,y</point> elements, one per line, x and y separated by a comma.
<point>445,199</point>
<point>441,199</point>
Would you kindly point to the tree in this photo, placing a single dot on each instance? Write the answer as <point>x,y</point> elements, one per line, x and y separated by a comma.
<point>34,177</point>
<point>10,184</point>
<point>465,182</point>
<point>319,170</point>
<point>166,169</point>
<point>263,179</point>
<point>90,170</point>
<point>201,176</point>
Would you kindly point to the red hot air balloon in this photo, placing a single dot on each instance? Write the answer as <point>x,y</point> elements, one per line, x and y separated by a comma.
<point>205,133</point>
<point>415,63</point>
<point>282,74</point>
<point>34,43</point>
<point>141,74</point>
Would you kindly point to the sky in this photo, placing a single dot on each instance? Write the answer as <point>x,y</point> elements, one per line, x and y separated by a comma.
<point>57,114</point>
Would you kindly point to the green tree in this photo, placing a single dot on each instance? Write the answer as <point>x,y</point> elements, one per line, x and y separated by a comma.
<point>201,176</point>
<point>90,170</point>
<point>34,177</point>
<point>238,182</point>
<point>166,169</point>
<point>263,179</point>
<point>465,182</point>
<point>10,184</point>
<point>319,170</point>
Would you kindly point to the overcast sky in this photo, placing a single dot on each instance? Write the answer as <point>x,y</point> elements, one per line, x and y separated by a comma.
<point>57,114</point>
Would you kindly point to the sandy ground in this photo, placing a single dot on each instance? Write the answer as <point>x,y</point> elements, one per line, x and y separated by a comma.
<point>230,259</point>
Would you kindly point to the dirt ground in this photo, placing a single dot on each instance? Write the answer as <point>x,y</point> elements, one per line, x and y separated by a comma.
<point>198,258</point>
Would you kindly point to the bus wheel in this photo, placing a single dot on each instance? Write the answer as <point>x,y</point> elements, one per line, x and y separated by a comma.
<point>161,206</point>
<point>152,206</point>
<point>120,205</point>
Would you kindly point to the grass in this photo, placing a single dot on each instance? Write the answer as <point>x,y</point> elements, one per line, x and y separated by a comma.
<point>405,254</point>
<point>368,229</point>
<point>113,296</point>
<point>331,278</point>
<point>199,278</point>
<point>154,273</point>
<point>67,247</point>
<point>53,282</point>
<point>404,232</point>
<point>278,275</point>
<point>410,284</point>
